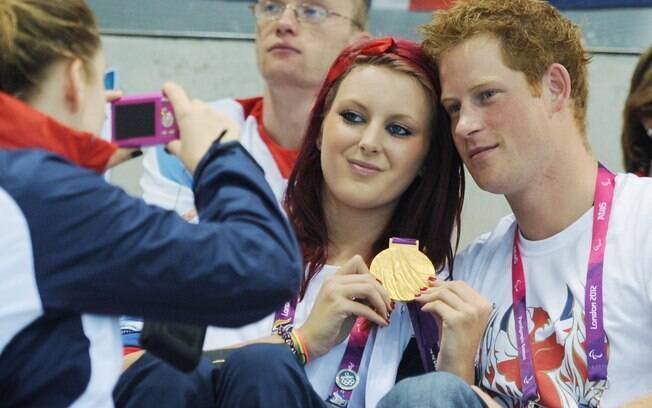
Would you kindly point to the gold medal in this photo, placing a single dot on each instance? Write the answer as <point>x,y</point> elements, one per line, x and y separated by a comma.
<point>402,269</point>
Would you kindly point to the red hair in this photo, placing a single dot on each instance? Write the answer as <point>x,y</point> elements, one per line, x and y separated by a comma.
<point>429,210</point>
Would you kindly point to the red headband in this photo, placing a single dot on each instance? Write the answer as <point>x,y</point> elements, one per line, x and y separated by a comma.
<point>409,51</point>
<point>406,49</point>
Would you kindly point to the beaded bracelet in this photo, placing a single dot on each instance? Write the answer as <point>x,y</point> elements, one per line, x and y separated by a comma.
<point>294,342</point>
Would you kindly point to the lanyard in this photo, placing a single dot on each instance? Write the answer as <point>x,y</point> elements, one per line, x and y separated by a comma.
<point>285,316</point>
<point>347,377</point>
<point>593,306</point>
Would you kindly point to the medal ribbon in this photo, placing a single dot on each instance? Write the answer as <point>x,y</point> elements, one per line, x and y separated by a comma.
<point>426,334</point>
<point>424,326</point>
<point>593,300</point>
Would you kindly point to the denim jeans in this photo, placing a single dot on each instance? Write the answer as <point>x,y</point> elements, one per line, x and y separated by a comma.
<point>433,390</point>
<point>259,375</point>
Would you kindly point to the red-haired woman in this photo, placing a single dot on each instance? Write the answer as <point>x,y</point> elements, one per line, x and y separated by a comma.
<point>377,162</point>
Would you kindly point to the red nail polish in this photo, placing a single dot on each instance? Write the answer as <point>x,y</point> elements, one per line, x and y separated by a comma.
<point>424,289</point>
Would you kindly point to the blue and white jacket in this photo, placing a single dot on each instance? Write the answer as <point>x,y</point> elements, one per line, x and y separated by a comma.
<point>75,252</point>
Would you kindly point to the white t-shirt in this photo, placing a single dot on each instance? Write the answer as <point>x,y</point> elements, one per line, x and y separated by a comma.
<point>555,272</point>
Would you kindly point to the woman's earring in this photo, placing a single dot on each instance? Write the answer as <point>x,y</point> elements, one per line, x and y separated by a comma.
<point>648,131</point>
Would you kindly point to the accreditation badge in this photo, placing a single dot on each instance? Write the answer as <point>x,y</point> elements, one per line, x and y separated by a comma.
<point>347,379</point>
<point>402,269</point>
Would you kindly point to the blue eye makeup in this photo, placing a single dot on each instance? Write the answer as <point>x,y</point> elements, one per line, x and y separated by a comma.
<point>396,129</point>
<point>352,117</point>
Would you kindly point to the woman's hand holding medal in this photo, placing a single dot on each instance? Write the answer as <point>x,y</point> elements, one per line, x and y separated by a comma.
<point>403,269</point>
<point>460,311</point>
<point>462,315</point>
<point>351,292</point>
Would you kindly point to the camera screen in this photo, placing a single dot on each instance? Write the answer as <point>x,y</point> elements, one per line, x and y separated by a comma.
<point>136,120</point>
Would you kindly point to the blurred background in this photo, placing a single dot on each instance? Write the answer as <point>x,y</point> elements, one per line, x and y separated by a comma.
<point>207,46</point>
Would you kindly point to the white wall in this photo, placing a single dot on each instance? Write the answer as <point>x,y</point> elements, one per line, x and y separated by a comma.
<point>211,69</point>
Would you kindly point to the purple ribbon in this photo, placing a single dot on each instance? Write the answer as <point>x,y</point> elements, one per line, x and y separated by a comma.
<point>285,316</point>
<point>423,324</point>
<point>596,348</point>
<point>404,241</point>
<point>427,335</point>
<point>340,394</point>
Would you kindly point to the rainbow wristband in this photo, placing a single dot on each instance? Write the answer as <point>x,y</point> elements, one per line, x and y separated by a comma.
<point>300,346</point>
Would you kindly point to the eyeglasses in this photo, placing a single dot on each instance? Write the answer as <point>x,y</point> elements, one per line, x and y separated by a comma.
<point>304,12</point>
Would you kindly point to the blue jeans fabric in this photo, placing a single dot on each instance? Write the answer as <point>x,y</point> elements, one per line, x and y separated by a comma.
<point>260,375</point>
<point>433,390</point>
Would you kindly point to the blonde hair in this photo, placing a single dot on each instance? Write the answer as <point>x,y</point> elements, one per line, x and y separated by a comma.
<point>533,35</point>
<point>34,34</point>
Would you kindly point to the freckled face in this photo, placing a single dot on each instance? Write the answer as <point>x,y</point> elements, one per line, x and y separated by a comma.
<point>498,124</point>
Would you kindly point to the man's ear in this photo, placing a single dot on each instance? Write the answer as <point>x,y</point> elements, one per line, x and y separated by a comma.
<point>557,84</point>
<point>74,84</point>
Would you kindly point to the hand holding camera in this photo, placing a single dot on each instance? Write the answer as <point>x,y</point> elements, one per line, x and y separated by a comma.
<point>199,124</point>
<point>154,119</point>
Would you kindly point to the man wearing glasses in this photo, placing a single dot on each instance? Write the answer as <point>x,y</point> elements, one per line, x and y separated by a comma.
<point>296,42</point>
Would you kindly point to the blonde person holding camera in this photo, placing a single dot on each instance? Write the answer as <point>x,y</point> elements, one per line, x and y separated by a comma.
<point>75,252</point>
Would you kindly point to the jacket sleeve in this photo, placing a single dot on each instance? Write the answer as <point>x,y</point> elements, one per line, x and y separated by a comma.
<point>97,250</point>
<point>92,152</point>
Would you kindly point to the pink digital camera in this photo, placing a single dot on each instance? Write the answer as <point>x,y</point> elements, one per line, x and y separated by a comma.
<point>143,120</point>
